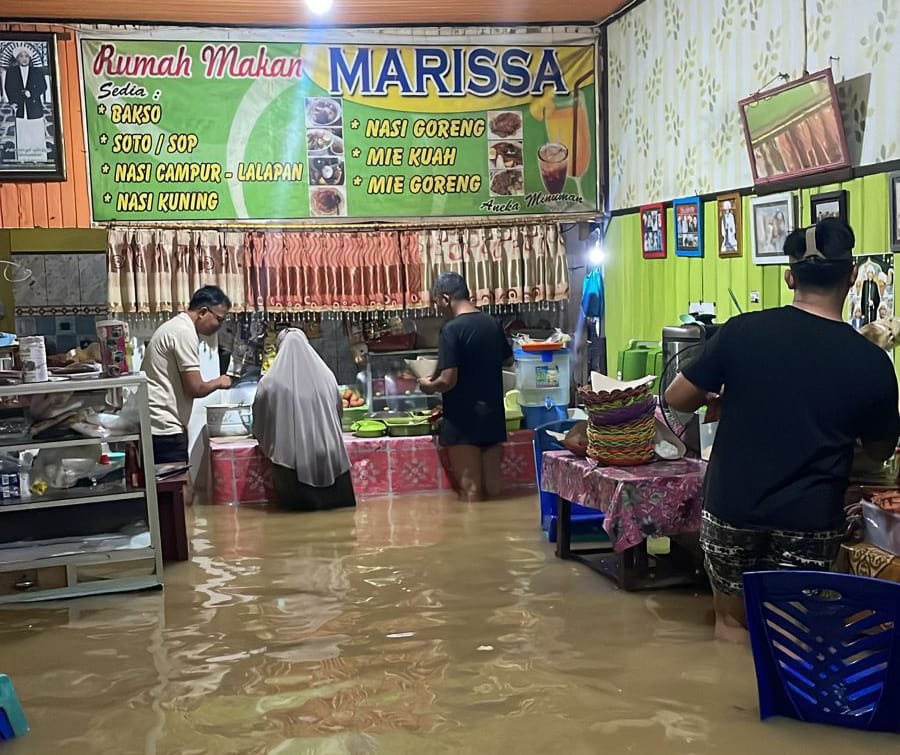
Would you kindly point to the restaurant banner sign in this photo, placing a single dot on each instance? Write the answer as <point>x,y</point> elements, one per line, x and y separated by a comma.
<point>236,130</point>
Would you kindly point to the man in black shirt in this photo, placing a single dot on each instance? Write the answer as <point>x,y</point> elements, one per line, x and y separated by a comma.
<point>797,388</point>
<point>472,352</point>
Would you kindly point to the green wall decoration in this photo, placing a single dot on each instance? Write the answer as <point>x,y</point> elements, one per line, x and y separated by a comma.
<point>642,295</point>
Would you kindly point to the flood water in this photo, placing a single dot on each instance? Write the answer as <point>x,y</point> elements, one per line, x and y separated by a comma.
<point>413,626</point>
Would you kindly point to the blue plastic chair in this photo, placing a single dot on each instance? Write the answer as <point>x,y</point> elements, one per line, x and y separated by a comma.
<point>585,521</point>
<point>12,717</point>
<point>826,647</point>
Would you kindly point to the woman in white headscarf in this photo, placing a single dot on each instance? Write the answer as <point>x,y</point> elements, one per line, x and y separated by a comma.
<point>297,421</point>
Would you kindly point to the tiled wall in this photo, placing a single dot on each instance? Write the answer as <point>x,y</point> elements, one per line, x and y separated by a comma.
<point>62,333</point>
<point>63,298</point>
<point>62,284</point>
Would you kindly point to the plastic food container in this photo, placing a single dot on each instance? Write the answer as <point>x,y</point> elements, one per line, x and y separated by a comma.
<point>882,528</point>
<point>707,435</point>
<point>542,378</point>
<point>229,420</point>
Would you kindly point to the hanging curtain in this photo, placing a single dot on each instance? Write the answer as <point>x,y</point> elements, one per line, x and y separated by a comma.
<point>419,276</point>
<point>557,264</point>
<point>157,271</point>
<point>120,279</point>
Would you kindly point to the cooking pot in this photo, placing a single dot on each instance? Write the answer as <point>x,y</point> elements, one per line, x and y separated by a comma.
<point>229,420</point>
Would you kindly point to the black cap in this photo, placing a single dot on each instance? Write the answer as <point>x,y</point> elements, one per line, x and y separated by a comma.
<point>822,243</point>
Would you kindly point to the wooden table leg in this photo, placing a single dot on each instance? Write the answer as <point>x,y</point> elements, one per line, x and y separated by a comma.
<point>563,528</point>
<point>179,526</point>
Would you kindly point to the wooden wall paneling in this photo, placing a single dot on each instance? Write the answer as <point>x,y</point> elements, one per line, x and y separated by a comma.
<point>54,204</point>
<point>346,12</point>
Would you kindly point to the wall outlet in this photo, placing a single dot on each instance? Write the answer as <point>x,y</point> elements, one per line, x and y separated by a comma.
<point>755,297</point>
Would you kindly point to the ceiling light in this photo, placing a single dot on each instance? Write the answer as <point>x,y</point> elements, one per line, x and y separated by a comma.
<point>319,7</point>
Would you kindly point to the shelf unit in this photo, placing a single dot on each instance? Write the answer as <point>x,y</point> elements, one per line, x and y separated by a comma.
<point>89,570</point>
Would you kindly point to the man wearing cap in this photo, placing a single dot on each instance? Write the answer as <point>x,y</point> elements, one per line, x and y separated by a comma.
<point>24,85</point>
<point>798,390</point>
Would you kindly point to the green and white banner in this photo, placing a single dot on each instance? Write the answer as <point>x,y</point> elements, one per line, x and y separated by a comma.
<point>214,130</point>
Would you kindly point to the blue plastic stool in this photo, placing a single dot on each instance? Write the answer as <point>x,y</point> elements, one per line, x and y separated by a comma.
<point>12,717</point>
<point>826,647</point>
<point>585,521</point>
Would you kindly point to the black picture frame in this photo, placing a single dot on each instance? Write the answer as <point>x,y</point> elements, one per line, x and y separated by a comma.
<point>894,224</point>
<point>19,127</point>
<point>820,205</point>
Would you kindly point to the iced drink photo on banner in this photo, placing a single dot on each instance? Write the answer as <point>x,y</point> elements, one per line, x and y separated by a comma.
<point>554,161</point>
<point>566,121</point>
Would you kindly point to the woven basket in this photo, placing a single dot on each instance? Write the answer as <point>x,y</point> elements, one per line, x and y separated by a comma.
<point>601,416</point>
<point>613,399</point>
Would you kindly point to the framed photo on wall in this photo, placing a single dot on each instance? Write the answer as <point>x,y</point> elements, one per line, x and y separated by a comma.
<point>894,184</point>
<point>31,138</point>
<point>728,209</point>
<point>830,204</point>
<point>653,231</point>
<point>772,218</point>
<point>688,227</point>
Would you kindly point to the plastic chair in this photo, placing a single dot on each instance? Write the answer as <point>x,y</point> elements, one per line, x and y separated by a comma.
<point>826,647</point>
<point>585,521</point>
<point>12,717</point>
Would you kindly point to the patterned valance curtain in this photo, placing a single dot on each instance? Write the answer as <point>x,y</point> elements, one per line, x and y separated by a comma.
<point>153,271</point>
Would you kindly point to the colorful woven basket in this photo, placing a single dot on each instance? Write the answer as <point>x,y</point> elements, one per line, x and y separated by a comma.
<point>613,399</point>
<point>621,415</point>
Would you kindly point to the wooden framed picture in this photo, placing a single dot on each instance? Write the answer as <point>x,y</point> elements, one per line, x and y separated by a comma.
<point>772,218</point>
<point>894,184</point>
<point>688,227</point>
<point>728,207</point>
<point>653,231</point>
<point>830,204</point>
<point>31,136</point>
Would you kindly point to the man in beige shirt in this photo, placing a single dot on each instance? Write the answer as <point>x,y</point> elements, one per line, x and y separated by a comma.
<point>172,365</point>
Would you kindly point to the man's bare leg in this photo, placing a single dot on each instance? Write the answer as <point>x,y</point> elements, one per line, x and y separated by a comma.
<point>466,468</point>
<point>731,618</point>
<point>491,459</point>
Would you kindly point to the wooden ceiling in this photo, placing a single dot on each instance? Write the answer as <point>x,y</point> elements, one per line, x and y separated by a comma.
<point>295,12</point>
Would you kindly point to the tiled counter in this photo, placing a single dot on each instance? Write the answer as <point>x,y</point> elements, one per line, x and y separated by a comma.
<point>381,467</point>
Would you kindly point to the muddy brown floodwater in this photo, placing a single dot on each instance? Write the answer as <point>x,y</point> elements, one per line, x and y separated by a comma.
<point>415,626</point>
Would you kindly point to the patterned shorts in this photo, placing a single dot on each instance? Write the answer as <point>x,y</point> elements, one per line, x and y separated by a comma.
<point>730,551</point>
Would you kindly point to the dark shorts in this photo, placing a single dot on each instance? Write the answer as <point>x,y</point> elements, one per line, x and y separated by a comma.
<point>730,551</point>
<point>170,449</point>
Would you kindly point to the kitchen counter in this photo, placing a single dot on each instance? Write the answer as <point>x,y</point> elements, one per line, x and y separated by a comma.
<point>381,467</point>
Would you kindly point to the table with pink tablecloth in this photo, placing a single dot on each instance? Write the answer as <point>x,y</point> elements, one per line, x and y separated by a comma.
<point>652,500</point>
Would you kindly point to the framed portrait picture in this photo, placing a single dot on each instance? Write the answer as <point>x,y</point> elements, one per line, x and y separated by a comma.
<point>772,219</point>
<point>688,227</point>
<point>894,184</point>
<point>728,207</point>
<point>831,204</point>
<point>31,138</point>
<point>653,231</point>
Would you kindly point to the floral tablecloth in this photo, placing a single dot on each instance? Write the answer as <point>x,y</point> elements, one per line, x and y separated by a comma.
<point>659,499</point>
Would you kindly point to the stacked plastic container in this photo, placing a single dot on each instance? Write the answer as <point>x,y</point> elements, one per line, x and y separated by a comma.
<point>542,379</point>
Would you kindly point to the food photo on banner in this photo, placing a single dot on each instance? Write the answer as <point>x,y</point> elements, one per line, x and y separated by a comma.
<point>261,128</point>
<point>30,128</point>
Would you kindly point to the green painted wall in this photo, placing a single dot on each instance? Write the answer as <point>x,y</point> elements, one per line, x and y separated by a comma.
<point>66,240</point>
<point>642,295</point>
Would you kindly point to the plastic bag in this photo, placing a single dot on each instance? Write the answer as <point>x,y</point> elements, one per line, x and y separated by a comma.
<point>592,299</point>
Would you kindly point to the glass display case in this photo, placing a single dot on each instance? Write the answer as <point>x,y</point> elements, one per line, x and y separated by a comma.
<point>392,386</point>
